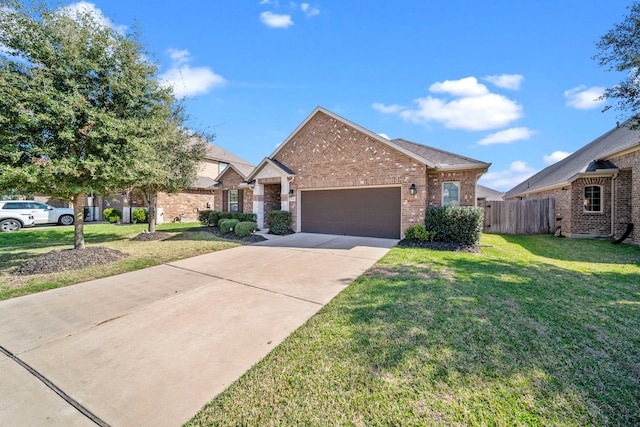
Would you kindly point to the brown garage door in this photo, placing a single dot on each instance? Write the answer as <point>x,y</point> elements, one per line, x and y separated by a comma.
<point>372,212</point>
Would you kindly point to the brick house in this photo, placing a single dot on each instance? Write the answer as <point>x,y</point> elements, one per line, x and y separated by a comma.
<point>337,177</point>
<point>185,204</point>
<point>596,189</point>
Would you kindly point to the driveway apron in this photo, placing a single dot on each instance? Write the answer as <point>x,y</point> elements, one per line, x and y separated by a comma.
<point>151,347</point>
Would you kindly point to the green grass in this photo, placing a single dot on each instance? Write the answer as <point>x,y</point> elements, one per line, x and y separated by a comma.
<point>534,331</point>
<point>16,248</point>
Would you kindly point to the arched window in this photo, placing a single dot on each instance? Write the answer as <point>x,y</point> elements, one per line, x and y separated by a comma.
<point>593,198</point>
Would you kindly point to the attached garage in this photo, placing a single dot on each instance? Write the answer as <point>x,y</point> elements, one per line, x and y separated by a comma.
<point>370,212</point>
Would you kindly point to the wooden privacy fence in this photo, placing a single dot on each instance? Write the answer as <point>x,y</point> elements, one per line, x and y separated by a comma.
<point>520,216</point>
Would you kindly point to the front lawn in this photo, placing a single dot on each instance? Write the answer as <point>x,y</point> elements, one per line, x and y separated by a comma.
<point>18,247</point>
<point>534,330</point>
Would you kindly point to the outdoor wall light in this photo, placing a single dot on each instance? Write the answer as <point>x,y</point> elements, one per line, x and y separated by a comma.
<point>290,192</point>
<point>412,190</point>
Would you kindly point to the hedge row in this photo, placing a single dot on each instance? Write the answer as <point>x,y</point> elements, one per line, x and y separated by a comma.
<point>212,218</point>
<point>455,224</point>
<point>279,222</point>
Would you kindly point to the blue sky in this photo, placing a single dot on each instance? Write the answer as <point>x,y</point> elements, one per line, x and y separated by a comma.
<point>512,83</point>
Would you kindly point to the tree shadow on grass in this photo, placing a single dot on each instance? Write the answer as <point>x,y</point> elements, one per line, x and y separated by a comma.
<point>581,250</point>
<point>544,343</point>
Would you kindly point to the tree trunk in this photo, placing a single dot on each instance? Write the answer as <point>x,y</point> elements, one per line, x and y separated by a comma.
<point>78,224</point>
<point>152,211</point>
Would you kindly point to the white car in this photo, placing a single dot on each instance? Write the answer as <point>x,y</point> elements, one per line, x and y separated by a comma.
<point>13,221</point>
<point>41,213</point>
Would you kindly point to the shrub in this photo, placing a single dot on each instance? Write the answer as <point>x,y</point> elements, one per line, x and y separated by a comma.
<point>245,228</point>
<point>203,217</point>
<point>244,216</point>
<point>419,232</point>
<point>112,215</point>
<point>279,222</point>
<point>227,225</point>
<point>139,215</point>
<point>455,224</point>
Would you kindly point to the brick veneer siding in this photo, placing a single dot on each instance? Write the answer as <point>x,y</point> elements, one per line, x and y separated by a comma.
<point>326,153</point>
<point>188,202</point>
<point>628,210</point>
<point>231,181</point>
<point>467,180</point>
<point>272,199</point>
<point>590,223</point>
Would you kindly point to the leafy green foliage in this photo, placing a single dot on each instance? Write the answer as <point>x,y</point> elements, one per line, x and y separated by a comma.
<point>419,232</point>
<point>211,218</point>
<point>82,110</point>
<point>112,215</point>
<point>227,225</point>
<point>455,224</point>
<point>245,228</point>
<point>139,215</point>
<point>619,50</point>
<point>279,222</point>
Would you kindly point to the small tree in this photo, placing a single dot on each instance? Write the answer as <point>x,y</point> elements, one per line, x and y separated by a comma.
<point>80,105</point>
<point>619,50</point>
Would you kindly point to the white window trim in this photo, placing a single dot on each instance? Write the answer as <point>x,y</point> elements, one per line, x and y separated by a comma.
<point>457,183</point>
<point>237,202</point>
<point>585,198</point>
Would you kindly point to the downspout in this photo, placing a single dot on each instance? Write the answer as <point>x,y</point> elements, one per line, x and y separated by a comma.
<point>613,189</point>
<point>475,195</point>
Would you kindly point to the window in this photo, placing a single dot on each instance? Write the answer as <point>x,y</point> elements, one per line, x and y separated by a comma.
<point>233,200</point>
<point>450,194</point>
<point>593,198</point>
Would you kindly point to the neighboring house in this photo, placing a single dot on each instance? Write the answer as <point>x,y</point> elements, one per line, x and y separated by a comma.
<point>596,189</point>
<point>201,196</point>
<point>486,194</point>
<point>337,177</point>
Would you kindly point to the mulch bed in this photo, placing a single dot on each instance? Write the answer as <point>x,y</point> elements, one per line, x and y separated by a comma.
<point>69,259</point>
<point>147,237</point>
<point>253,238</point>
<point>439,246</point>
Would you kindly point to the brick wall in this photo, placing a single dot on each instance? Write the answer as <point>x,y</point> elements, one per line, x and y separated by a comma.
<point>272,199</point>
<point>590,223</point>
<point>326,153</point>
<point>188,202</point>
<point>628,193</point>
<point>231,180</point>
<point>466,179</point>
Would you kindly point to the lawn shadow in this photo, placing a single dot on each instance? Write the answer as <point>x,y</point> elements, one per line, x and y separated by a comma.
<point>571,337</point>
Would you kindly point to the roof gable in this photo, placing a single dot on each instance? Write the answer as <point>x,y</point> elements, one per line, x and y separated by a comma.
<point>268,161</point>
<point>413,150</point>
<point>616,140</point>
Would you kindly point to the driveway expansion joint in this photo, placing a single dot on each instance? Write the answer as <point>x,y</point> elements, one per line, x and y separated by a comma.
<point>70,400</point>
<point>247,285</point>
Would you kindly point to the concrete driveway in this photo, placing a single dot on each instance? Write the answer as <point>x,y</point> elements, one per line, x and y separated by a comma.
<point>151,347</point>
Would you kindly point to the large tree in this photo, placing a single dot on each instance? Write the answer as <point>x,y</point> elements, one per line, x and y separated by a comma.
<point>619,50</point>
<point>81,107</point>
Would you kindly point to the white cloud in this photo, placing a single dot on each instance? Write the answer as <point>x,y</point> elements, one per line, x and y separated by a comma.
<point>473,108</point>
<point>583,98</point>
<point>507,136</point>
<point>506,179</point>
<point>387,109</point>
<point>186,80</point>
<point>468,86</point>
<point>554,157</point>
<point>275,20</point>
<point>309,10</point>
<point>506,81</point>
<point>74,10</point>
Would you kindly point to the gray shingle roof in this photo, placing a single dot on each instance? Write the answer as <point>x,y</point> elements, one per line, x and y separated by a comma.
<point>616,140</point>
<point>220,154</point>
<point>487,193</point>
<point>440,157</point>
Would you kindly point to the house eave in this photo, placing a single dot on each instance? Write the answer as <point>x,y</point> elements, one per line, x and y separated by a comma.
<point>600,173</point>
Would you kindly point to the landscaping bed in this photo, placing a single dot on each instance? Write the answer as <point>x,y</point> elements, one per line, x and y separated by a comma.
<point>439,246</point>
<point>253,238</point>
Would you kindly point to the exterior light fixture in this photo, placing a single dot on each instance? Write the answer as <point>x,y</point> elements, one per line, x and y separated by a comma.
<point>290,192</point>
<point>412,189</point>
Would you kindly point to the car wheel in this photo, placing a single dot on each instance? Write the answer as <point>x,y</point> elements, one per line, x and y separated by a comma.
<point>65,220</point>
<point>10,225</point>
